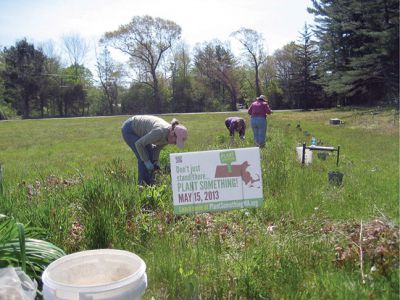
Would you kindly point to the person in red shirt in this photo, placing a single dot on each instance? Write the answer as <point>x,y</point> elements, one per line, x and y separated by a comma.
<point>258,111</point>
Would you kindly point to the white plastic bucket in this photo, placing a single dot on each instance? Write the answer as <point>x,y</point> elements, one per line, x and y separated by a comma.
<point>307,155</point>
<point>95,274</point>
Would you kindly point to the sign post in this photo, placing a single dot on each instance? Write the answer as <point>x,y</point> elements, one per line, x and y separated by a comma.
<point>216,180</point>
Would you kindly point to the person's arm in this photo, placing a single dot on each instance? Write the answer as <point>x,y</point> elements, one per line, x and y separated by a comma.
<point>250,110</point>
<point>147,139</point>
<point>232,128</point>
<point>242,132</point>
<point>268,109</point>
<point>156,154</point>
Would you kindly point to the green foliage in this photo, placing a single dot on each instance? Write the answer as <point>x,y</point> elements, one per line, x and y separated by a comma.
<point>143,99</point>
<point>77,75</point>
<point>76,178</point>
<point>350,57</point>
<point>286,66</point>
<point>252,43</point>
<point>274,93</point>
<point>182,83</point>
<point>110,76</point>
<point>146,40</point>
<point>20,246</point>
<point>359,49</point>
<point>22,64</point>
<point>7,112</point>
<point>216,64</point>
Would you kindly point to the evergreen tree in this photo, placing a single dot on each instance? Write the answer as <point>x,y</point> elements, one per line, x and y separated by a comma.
<point>306,53</point>
<point>22,76</point>
<point>359,48</point>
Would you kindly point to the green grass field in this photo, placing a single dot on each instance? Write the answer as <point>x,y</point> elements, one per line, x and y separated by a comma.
<point>311,240</point>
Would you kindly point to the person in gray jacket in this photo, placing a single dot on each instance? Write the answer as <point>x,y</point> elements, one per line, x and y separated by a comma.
<point>146,135</point>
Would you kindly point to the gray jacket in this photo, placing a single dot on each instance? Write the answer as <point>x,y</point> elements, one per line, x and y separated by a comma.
<point>153,131</point>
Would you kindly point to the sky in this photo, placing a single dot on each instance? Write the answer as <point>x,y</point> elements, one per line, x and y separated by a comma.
<point>40,21</point>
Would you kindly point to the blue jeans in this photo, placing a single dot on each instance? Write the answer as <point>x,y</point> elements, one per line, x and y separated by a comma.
<point>259,127</point>
<point>144,176</point>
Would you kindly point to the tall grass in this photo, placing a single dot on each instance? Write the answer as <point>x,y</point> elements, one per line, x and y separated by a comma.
<point>76,178</point>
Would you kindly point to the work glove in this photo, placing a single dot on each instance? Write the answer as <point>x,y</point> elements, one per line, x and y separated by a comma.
<point>156,167</point>
<point>149,165</point>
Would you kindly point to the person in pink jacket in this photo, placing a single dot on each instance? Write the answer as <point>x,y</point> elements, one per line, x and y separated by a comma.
<point>258,111</point>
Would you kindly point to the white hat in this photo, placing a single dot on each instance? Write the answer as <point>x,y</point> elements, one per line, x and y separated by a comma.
<point>262,97</point>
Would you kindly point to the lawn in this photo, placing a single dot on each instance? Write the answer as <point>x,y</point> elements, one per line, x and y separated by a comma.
<point>75,178</point>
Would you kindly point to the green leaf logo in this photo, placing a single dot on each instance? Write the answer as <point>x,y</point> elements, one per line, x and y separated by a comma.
<point>228,158</point>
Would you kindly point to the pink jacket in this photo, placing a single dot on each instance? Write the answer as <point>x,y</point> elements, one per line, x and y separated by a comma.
<point>259,108</point>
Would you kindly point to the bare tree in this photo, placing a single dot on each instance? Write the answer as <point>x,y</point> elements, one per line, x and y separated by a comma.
<point>181,87</point>
<point>145,39</point>
<point>76,48</point>
<point>109,74</point>
<point>253,45</point>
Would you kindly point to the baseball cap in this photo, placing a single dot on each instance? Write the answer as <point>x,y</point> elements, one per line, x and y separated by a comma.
<point>181,135</point>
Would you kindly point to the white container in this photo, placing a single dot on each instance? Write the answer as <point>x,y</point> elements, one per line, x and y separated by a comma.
<point>307,155</point>
<point>95,274</point>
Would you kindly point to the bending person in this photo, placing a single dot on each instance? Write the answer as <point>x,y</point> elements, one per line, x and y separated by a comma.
<point>236,124</point>
<point>146,135</point>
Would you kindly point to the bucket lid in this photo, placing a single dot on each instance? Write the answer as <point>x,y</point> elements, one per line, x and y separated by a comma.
<point>68,272</point>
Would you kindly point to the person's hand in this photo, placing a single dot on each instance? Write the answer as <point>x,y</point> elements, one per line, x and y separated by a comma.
<point>156,167</point>
<point>149,165</point>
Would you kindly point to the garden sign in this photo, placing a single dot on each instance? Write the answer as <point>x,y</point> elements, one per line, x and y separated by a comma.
<point>216,180</point>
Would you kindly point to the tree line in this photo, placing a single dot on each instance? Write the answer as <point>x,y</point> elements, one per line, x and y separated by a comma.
<point>349,57</point>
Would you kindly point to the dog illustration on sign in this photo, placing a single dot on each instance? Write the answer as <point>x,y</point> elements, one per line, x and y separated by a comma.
<point>230,170</point>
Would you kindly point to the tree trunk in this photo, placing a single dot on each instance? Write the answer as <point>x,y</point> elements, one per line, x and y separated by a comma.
<point>41,108</point>
<point>156,93</point>
<point>26,107</point>
<point>258,89</point>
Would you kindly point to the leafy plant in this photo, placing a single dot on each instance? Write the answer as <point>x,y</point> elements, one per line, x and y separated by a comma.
<point>20,246</point>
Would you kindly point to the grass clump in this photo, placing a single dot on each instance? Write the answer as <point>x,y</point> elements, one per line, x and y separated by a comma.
<point>310,240</point>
